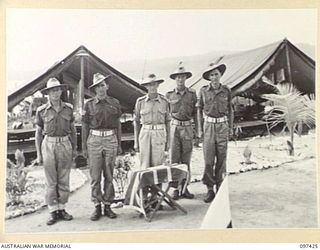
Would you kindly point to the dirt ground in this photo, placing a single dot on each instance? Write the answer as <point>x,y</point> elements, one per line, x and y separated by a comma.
<point>81,208</point>
<point>283,197</point>
<point>277,197</point>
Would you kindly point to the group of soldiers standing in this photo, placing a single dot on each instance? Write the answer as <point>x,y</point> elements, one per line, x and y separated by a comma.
<point>161,124</point>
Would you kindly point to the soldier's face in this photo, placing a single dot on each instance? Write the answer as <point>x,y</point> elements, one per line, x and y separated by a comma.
<point>101,88</point>
<point>180,80</point>
<point>215,76</point>
<point>54,94</point>
<point>152,87</point>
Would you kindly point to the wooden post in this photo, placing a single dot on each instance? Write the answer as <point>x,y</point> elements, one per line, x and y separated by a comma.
<point>288,63</point>
<point>80,100</point>
<point>81,85</point>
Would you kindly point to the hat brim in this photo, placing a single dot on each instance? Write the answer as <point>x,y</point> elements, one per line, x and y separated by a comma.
<point>147,83</point>
<point>174,75</point>
<point>222,68</point>
<point>62,86</point>
<point>100,80</point>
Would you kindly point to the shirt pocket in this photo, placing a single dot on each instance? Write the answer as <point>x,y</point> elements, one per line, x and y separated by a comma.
<point>48,122</point>
<point>94,117</point>
<point>113,111</point>
<point>146,115</point>
<point>112,115</point>
<point>223,103</point>
<point>208,104</point>
<point>175,105</point>
<point>66,120</point>
<point>161,115</point>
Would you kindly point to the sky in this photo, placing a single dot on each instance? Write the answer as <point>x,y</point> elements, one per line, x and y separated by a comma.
<point>37,38</point>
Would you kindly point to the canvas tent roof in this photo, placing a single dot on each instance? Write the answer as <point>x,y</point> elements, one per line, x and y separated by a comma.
<point>245,68</point>
<point>122,87</point>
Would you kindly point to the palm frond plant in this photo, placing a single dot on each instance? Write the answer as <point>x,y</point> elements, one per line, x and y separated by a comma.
<point>290,107</point>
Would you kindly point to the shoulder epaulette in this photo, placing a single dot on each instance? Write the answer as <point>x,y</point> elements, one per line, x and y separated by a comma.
<point>141,98</point>
<point>117,100</point>
<point>114,99</point>
<point>89,100</point>
<point>192,90</point>
<point>69,105</point>
<point>205,86</point>
<point>226,87</point>
<point>42,107</point>
<point>164,98</point>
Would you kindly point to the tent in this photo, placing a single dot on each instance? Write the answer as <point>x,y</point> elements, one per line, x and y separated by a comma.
<point>79,66</point>
<point>279,62</point>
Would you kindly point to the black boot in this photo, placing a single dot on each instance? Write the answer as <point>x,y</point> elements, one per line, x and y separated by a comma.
<point>108,212</point>
<point>63,215</point>
<point>96,213</point>
<point>175,195</point>
<point>210,196</point>
<point>53,218</point>
<point>187,194</point>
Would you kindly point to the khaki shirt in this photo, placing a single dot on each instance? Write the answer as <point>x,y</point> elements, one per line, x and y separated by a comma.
<point>152,111</point>
<point>215,103</point>
<point>182,104</point>
<point>102,114</point>
<point>55,123</point>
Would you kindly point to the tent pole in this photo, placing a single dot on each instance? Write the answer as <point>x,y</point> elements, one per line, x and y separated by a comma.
<point>288,63</point>
<point>81,93</point>
<point>81,85</point>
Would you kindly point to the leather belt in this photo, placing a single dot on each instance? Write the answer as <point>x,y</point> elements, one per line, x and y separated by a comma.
<point>215,120</point>
<point>181,123</point>
<point>153,127</point>
<point>57,138</point>
<point>102,133</point>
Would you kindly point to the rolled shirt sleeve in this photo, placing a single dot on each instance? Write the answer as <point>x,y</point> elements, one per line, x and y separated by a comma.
<point>200,103</point>
<point>136,112</point>
<point>168,115</point>
<point>38,119</point>
<point>85,113</point>
<point>230,110</point>
<point>194,104</point>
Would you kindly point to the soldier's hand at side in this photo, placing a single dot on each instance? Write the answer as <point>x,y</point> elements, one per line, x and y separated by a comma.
<point>74,154</point>
<point>136,147</point>
<point>231,134</point>
<point>85,152</point>
<point>39,159</point>
<point>167,146</point>
<point>119,151</point>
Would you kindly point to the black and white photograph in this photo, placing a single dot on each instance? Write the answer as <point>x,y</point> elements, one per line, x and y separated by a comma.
<point>122,120</point>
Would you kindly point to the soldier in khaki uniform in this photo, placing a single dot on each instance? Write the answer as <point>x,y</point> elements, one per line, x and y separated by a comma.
<point>101,142</point>
<point>215,104</point>
<point>56,150</point>
<point>152,125</point>
<point>183,109</point>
